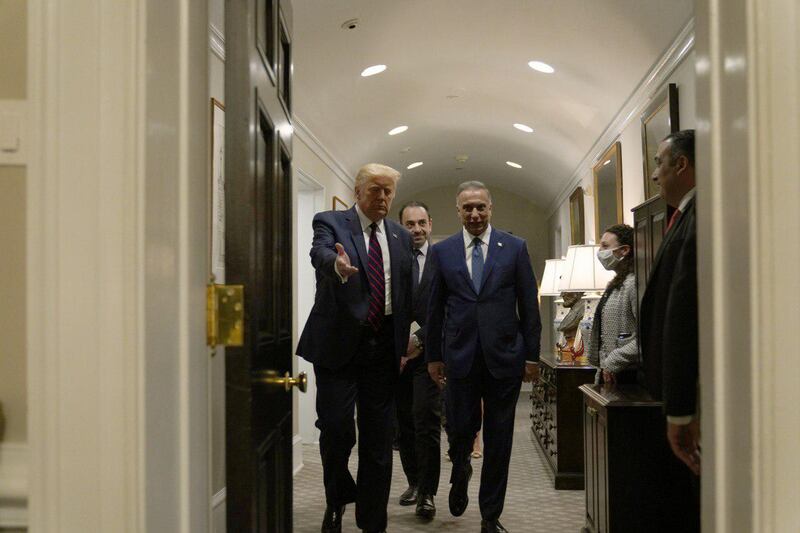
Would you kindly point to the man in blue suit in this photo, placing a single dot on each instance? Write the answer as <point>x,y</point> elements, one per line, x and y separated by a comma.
<point>483,340</point>
<point>355,335</point>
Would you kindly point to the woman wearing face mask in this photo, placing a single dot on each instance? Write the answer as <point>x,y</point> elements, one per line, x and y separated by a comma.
<point>612,346</point>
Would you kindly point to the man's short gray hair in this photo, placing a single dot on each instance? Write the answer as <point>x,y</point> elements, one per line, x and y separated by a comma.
<point>473,185</point>
<point>375,170</point>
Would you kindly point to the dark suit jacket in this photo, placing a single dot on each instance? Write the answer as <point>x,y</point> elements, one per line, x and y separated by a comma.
<point>334,328</point>
<point>420,309</point>
<point>668,324</point>
<point>501,320</point>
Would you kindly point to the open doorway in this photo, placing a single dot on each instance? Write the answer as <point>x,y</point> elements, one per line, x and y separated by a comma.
<point>310,200</point>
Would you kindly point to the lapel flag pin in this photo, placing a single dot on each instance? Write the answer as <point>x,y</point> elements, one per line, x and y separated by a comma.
<point>394,235</point>
<point>500,244</point>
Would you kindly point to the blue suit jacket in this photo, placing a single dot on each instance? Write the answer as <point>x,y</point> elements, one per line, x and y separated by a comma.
<point>501,320</point>
<point>332,333</point>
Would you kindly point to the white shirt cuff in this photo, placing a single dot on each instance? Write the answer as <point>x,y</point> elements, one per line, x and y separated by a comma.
<point>532,362</point>
<point>680,420</point>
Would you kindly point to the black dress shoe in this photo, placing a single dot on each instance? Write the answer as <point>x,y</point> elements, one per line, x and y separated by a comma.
<point>425,507</point>
<point>492,526</point>
<point>409,497</point>
<point>332,522</point>
<point>458,493</point>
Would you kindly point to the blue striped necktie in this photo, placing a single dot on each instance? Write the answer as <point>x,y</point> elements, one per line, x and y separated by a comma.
<point>377,281</point>
<point>477,263</point>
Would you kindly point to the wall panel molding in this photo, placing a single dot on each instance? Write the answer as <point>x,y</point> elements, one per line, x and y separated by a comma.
<point>13,132</point>
<point>13,485</point>
<point>630,110</point>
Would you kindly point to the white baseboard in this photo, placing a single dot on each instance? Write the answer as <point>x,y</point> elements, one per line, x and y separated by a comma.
<point>297,454</point>
<point>14,485</point>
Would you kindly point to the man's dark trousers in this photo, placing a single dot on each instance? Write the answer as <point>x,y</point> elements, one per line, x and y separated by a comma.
<point>368,381</point>
<point>499,406</point>
<point>419,412</point>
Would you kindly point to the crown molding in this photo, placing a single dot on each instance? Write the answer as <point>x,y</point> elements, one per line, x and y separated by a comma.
<point>216,41</point>
<point>308,138</point>
<point>633,107</point>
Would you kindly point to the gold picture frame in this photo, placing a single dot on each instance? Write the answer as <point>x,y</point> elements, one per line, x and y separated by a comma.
<point>659,120</point>
<point>607,174</point>
<point>338,204</point>
<point>576,219</point>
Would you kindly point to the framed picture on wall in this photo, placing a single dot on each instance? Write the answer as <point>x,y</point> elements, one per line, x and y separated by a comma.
<point>576,224</point>
<point>607,174</point>
<point>339,204</point>
<point>659,120</point>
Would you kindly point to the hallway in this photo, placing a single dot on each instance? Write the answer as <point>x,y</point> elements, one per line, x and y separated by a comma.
<point>532,504</point>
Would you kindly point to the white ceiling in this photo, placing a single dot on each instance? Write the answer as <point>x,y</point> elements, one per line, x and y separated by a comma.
<point>601,49</point>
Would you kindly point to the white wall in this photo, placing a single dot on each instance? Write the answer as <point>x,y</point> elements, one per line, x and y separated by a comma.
<point>13,275</point>
<point>630,137</point>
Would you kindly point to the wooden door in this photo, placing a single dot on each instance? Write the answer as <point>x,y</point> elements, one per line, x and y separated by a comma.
<point>258,252</point>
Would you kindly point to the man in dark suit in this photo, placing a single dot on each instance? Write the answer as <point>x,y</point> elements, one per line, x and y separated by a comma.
<point>419,400</point>
<point>355,335</point>
<point>483,338</point>
<point>668,327</point>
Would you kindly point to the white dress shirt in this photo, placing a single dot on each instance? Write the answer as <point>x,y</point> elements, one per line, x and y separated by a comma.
<point>683,420</point>
<point>387,264</point>
<point>469,244</point>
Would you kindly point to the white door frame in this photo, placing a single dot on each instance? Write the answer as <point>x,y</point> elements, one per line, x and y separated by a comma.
<point>311,189</point>
<point>117,370</point>
<point>748,68</point>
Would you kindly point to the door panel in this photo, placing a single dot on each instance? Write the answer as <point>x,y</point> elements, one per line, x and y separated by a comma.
<point>258,251</point>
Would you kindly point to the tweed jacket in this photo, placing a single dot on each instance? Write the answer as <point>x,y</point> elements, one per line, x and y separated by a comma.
<point>619,349</point>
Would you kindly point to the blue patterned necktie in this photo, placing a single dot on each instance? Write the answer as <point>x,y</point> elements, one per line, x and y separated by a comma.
<point>477,264</point>
<point>377,281</point>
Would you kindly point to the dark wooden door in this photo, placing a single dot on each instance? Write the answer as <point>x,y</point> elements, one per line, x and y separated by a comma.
<point>258,255</point>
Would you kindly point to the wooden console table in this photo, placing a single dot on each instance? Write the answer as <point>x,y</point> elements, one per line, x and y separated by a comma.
<point>556,422</point>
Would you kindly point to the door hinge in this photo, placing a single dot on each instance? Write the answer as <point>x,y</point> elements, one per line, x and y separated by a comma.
<point>224,315</point>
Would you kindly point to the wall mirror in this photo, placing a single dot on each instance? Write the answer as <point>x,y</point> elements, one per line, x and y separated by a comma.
<point>658,120</point>
<point>608,189</point>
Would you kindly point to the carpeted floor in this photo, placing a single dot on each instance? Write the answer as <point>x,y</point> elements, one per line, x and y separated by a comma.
<point>532,504</point>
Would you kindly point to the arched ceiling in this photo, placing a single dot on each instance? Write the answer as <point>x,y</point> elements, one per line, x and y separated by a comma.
<point>458,77</point>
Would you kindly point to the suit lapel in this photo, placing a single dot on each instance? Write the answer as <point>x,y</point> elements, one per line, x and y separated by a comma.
<point>427,272</point>
<point>460,251</point>
<point>673,231</point>
<point>492,251</point>
<point>395,253</point>
<point>357,234</point>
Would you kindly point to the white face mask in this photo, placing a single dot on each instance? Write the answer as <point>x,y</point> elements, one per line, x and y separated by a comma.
<point>608,259</point>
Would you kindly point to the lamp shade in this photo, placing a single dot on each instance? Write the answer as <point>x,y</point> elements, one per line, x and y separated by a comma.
<point>582,271</point>
<point>551,277</point>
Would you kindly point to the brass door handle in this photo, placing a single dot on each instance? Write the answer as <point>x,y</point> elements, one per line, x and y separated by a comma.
<point>270,377</point>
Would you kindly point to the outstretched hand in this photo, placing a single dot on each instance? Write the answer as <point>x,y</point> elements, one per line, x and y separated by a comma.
<point>343,266</point>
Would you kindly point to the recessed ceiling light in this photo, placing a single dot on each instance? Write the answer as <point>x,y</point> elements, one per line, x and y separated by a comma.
<point>414,165</point>
<point>541,67</point>
<point>512,164</point>
<point>374,69</point>
<point>523,127</point>
<point>398,129</point>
